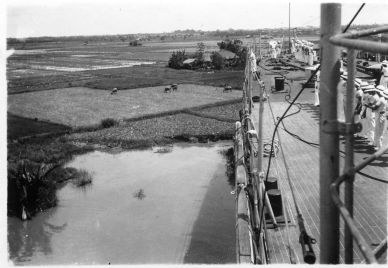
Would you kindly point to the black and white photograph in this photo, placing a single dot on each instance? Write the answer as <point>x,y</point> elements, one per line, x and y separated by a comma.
<point>193,132</point>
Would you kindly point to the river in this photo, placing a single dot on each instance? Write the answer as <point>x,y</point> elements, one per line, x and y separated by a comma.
<point>143,207</point>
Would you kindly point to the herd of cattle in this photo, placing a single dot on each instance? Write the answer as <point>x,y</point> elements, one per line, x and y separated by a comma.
<point>173,87</point>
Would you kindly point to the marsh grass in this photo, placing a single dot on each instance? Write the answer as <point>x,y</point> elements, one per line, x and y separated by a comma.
<point>30,188</point>
<point>109,122</point>
<point>35,172</point>
<point>163,150</point>
<point>82,178</point>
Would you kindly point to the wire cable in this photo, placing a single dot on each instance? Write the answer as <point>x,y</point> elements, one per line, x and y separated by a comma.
<point>354,17</point>
<point>371,177</point>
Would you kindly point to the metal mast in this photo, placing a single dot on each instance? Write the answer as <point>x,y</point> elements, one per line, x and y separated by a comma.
<point>329,142</point>
<point>289,27</point>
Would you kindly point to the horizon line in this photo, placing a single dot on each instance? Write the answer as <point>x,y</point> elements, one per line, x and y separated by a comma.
<point>183,30</point>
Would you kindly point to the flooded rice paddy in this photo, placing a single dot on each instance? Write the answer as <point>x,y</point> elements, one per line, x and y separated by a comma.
<point>110,65</point>
<point>166,206</point>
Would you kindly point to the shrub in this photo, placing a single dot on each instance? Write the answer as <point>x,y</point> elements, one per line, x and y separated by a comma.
<point>242,55</point>
<point>234,46</point>
<point>135,43</point>
<point>30,189</point>
<point>109,122</point>
<point>177,58</point>
<point>217,60</point>
<point>82,178</point>
<point>199,54</point>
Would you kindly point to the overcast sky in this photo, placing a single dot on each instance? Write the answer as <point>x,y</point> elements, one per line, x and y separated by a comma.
<point>26,18</point>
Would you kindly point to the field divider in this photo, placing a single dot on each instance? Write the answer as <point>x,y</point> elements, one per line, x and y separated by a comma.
<point>185,110</point>
<point>219,118</point>
<point>43,135</point>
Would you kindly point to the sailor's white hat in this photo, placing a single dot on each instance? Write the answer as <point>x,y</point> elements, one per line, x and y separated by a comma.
<point>364,84</point>
<point>358,80</point>
<point>369,88</point>
<point>344,76</point>
<point>385,93</point>
<point>382,90</point>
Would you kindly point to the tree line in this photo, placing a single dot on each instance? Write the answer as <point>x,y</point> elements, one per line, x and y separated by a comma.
<point>217,61</point>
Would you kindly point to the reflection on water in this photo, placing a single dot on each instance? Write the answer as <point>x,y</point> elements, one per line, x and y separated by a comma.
<point>139,194</point>
<point>143,207</point>
<point>26,238</point>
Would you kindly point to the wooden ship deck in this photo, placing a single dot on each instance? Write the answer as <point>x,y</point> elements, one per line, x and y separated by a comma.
<point>370,196</point>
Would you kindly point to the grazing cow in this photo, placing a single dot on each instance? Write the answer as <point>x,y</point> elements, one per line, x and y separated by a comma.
<point>114,91</point>
<point>167,90</point>
<point>174,87</point>
<point>227,89</point>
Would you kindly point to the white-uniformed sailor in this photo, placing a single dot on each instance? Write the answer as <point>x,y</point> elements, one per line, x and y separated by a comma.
<point>341,99</point>
<point>363,87</point>
<point>384,74</point>
<point>316,88</point>
<point>310,56</point>
<point>381,119</point>
<point>341,66</point>
<point>358,98</point>
<point>369,106</point>
<point>278,49</point>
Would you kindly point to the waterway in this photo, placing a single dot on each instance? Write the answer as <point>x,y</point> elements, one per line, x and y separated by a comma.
<point>154,206</point>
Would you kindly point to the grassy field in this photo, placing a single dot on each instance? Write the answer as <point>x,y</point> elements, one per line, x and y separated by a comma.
<point>154,75</point>
<point>79,107</point>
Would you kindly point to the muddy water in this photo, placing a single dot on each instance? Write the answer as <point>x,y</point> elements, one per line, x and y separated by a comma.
<point>142,207</point>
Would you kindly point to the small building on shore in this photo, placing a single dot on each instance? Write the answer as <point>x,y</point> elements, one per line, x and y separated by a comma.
<point>189,63</point>
<point>229,57</point>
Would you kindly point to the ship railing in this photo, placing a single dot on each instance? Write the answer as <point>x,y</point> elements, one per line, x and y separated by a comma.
<point>348,129</point>
<point>248,180</point>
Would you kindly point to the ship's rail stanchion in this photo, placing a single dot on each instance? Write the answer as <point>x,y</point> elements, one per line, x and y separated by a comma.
<point>251,243</point>
<point>348,129</point>
<point>367,252</point>
<point>243,230</point>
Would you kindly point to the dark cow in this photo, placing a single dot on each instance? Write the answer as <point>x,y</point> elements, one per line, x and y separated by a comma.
<point>174,87</point>
<point>167,90</point>
<point>227,89</point>
<point>114,91</point>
